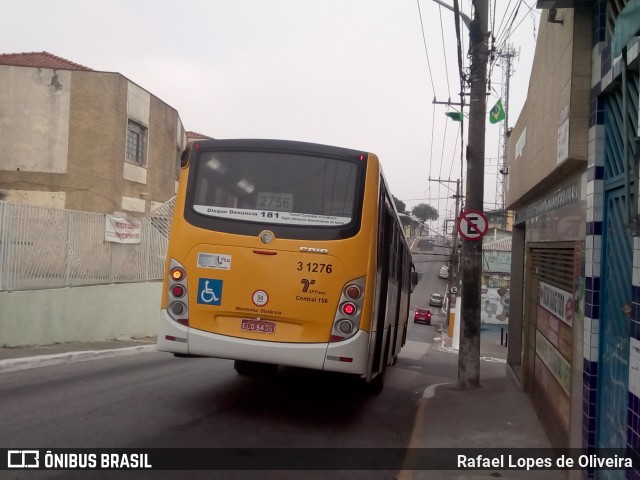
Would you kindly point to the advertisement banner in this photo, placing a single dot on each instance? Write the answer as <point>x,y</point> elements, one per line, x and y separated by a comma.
<point>558,302</point>
<point>122,230</point>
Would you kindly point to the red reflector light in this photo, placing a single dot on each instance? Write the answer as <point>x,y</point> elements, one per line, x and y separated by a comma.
<point>170,338</point>
<point>177,290</point>
<point>348,308</point>
<point>183,321</point>
<point>352,291</point>
<point>346,359</point>
<point>177,274</point>
<point>336,338</point>
<point>361,157</point>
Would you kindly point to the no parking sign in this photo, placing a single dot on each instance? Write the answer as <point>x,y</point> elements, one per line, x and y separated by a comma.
<point>472,224</point>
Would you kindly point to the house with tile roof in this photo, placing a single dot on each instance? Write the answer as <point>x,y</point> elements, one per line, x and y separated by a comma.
<point>198,136</point>
<point>81,139</point>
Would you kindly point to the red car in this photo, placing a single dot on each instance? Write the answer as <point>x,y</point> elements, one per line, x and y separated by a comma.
<point>422,315</point>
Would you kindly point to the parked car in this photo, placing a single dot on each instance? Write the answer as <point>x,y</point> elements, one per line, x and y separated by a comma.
<point>444,271</point>
<point>436,300</point>
<point>422,315</point>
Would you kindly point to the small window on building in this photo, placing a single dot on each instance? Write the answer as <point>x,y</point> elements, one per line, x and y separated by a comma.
<point>136,151</point>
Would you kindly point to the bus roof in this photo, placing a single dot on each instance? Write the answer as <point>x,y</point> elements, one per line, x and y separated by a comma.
<point>288,145</point>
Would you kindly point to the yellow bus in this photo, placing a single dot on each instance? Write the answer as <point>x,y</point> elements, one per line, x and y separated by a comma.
<point>286,253</point>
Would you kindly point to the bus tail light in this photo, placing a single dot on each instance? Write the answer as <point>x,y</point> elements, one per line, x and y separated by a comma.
<point>177,291</point>
<point>345,327</point>
<point>178,302</point>
<point>353,291</point>
<point>177,274</point>
<point>347,318</point>
<point>349,309</point>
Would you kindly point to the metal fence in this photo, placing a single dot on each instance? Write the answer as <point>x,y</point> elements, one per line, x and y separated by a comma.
<point>51,248</point>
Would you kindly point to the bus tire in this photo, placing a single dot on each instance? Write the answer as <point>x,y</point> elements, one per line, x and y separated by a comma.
<point>254,369</point>
<point>376,384</point>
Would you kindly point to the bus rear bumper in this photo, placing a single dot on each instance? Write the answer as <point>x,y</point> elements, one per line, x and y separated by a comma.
<point>172,337</point>
<point>348,356</point>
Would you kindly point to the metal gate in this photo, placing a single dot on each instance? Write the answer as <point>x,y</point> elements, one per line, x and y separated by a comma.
<point>551,263</point>
<point>621,123</point>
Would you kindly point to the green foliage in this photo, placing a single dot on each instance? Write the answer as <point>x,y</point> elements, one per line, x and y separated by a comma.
<point>425,212</point>
<point>400,205</point>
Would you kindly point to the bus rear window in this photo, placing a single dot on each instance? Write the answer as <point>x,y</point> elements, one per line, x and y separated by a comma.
<point>275,188</point>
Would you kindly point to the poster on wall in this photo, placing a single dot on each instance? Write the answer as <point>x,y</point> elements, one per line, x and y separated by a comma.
<point>557,301</point>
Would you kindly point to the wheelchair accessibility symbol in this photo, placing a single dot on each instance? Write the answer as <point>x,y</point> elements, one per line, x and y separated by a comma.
<point>209,291</point>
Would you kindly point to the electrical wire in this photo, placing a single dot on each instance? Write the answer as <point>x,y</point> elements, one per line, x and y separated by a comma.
<point>444,49</point>
<point>426,51</point>
<point>529,14</point>
<point>508,20</point>
<point>505,34</point>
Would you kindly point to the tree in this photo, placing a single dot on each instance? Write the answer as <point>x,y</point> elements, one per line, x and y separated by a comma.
<point>400,205</point>
<point>425,212</point>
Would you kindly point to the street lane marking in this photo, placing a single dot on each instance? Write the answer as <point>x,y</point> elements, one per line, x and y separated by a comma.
<point>430,391</point>
<point>415,440</point>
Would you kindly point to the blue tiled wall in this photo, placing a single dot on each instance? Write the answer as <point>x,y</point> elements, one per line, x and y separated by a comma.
<point>608,69</point>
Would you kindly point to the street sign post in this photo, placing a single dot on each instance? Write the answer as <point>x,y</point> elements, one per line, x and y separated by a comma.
<point>472,224</point>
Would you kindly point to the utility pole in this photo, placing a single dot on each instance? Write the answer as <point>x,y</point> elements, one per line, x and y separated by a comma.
<point>453,255</point>
<point>469,356</point>
<point>453,259</point>
<point>457,198</point>
<point>507,71</point>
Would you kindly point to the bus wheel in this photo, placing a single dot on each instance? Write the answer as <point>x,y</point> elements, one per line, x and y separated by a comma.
<point>375,386</point>
<point>254,369</point>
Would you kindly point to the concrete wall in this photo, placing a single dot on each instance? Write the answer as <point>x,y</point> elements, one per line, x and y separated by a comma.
<point>63,137</point>
<point>103,312</point>
<point>550,138</point>
<point>98,129</point>
<point>34,119</point>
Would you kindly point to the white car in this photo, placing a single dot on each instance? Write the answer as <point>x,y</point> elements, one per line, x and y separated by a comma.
<point>444,272</point>
<point>436,300</point>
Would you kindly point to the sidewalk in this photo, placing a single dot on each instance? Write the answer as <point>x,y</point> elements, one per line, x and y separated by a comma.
<point>20,358</point>
<point>497,415</point>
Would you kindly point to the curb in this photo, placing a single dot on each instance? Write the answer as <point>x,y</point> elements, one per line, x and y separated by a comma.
<point>443,347</point>
<point>70,357</point>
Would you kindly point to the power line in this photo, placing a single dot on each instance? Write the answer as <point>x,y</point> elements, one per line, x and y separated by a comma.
<point>444,49</point>
<point>426,51</point>
<point>423,199</point>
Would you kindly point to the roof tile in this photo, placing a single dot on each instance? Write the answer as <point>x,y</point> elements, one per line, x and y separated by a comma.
<point>196,135</point>
<point>40,60</point>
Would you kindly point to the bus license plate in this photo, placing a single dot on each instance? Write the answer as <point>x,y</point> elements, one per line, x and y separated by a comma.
<point>260,326</point>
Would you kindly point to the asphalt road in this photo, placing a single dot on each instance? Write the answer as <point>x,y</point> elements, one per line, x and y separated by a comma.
<point>428,259</point>
<point>154,400</point>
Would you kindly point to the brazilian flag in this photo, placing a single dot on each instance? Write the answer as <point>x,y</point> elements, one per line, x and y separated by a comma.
<point>497,112</point>
<point>455,116</point>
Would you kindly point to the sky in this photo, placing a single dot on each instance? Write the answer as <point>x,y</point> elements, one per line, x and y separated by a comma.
<point>360,74</point>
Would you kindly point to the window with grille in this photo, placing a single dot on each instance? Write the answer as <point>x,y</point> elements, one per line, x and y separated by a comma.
<point>136,151</point>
